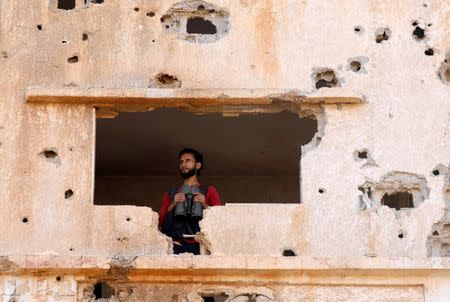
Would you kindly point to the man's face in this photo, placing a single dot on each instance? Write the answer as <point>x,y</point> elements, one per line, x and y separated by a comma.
<point>188,165</point>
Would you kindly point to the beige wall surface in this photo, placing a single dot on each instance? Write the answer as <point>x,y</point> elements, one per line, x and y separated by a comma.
<point>46,204</point>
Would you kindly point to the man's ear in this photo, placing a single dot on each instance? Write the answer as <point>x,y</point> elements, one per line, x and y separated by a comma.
<point>198,165</point>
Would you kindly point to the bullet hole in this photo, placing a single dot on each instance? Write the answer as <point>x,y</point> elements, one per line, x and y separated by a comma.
<point>414,23</point>
<point>424,5</point>
<point>321,190</point>
<point>198,25</point>
<point>288,253</point>
<point>85,37</point>
<point>355,66</point>
<point>73,59</point>
<point>400,235</point>
<point>163,80</point>
<point>136,9</point>
<point>68,194</point>
<point>200,7</point>
<point>362,154</point>
<point>325,78</point>
<point>429,52</point>
<point>5,55</point>
<point>25,220</point>
<point>398,200</point>
<point>66,4</point>
<point>150,14</point>
<point>128,219</point>
<point>382,34</point>
<point>58,278</point>
<point>39,26</point>
<point>93,1</point>
<point>71,249</point>
<point>64,42</point>
<point>153,41</point>
<point>435,172</point>
<point>419,33</point>
<point>435,233</point>
<point>103,290</point>
<point>358,30</point>
<point>49,153</point>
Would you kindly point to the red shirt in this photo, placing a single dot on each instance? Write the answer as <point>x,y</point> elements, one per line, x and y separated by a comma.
<point>212,199</point>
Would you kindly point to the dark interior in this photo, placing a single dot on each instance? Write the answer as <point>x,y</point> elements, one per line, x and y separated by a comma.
<point>249,159</point>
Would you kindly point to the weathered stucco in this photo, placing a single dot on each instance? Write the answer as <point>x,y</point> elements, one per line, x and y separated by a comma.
<point>375,75</point>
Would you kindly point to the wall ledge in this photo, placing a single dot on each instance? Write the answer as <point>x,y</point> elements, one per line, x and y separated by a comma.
<point>189,265</point>
<point>142,99</point>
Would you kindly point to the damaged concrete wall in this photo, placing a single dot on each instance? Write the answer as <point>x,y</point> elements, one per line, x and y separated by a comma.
<point>394,54</point>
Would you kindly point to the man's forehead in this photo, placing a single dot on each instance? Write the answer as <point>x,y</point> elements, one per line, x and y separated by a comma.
<point>187,156</point>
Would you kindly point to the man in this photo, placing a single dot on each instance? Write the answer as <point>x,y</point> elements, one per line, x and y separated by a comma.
<point>182,207</point>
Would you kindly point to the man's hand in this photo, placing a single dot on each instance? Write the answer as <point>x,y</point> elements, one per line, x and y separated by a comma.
<point>199,197</point>
<point>179,197</point>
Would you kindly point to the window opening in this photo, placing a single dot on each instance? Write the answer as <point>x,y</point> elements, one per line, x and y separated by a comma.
<point>248,159</point>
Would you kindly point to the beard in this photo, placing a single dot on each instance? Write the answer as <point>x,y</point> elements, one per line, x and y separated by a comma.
<point>189,173</point>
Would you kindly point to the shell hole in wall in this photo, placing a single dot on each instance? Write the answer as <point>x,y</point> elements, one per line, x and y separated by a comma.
<point>355,66</point>
<point>382,34</point>
<point>203,23</point>
<point>39,26</point>
<point>150,14</point>
<point>49,154</point>
<point>419,33</point>
<point>429,52</point>
<point>166,79</point>
<point>66,4</point>
<point>103,290</point>
<point>325,78</point>
<point>398,200</point>
<point>444,70</point>
<point>288,253</point>
<point>215,297</point>
<point>85,36</point>
<point>68,194</point>
<point>246,158</point>
<point>362,154</point>
<point>198,25</point>
<point>73,59</point>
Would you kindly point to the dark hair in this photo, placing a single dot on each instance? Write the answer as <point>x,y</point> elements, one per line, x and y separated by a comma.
<point>197,156</point>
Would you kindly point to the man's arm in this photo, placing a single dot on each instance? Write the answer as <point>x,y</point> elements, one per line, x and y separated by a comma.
<point>164,209</point>
<point>168,205</point>
<point>212,197</point>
